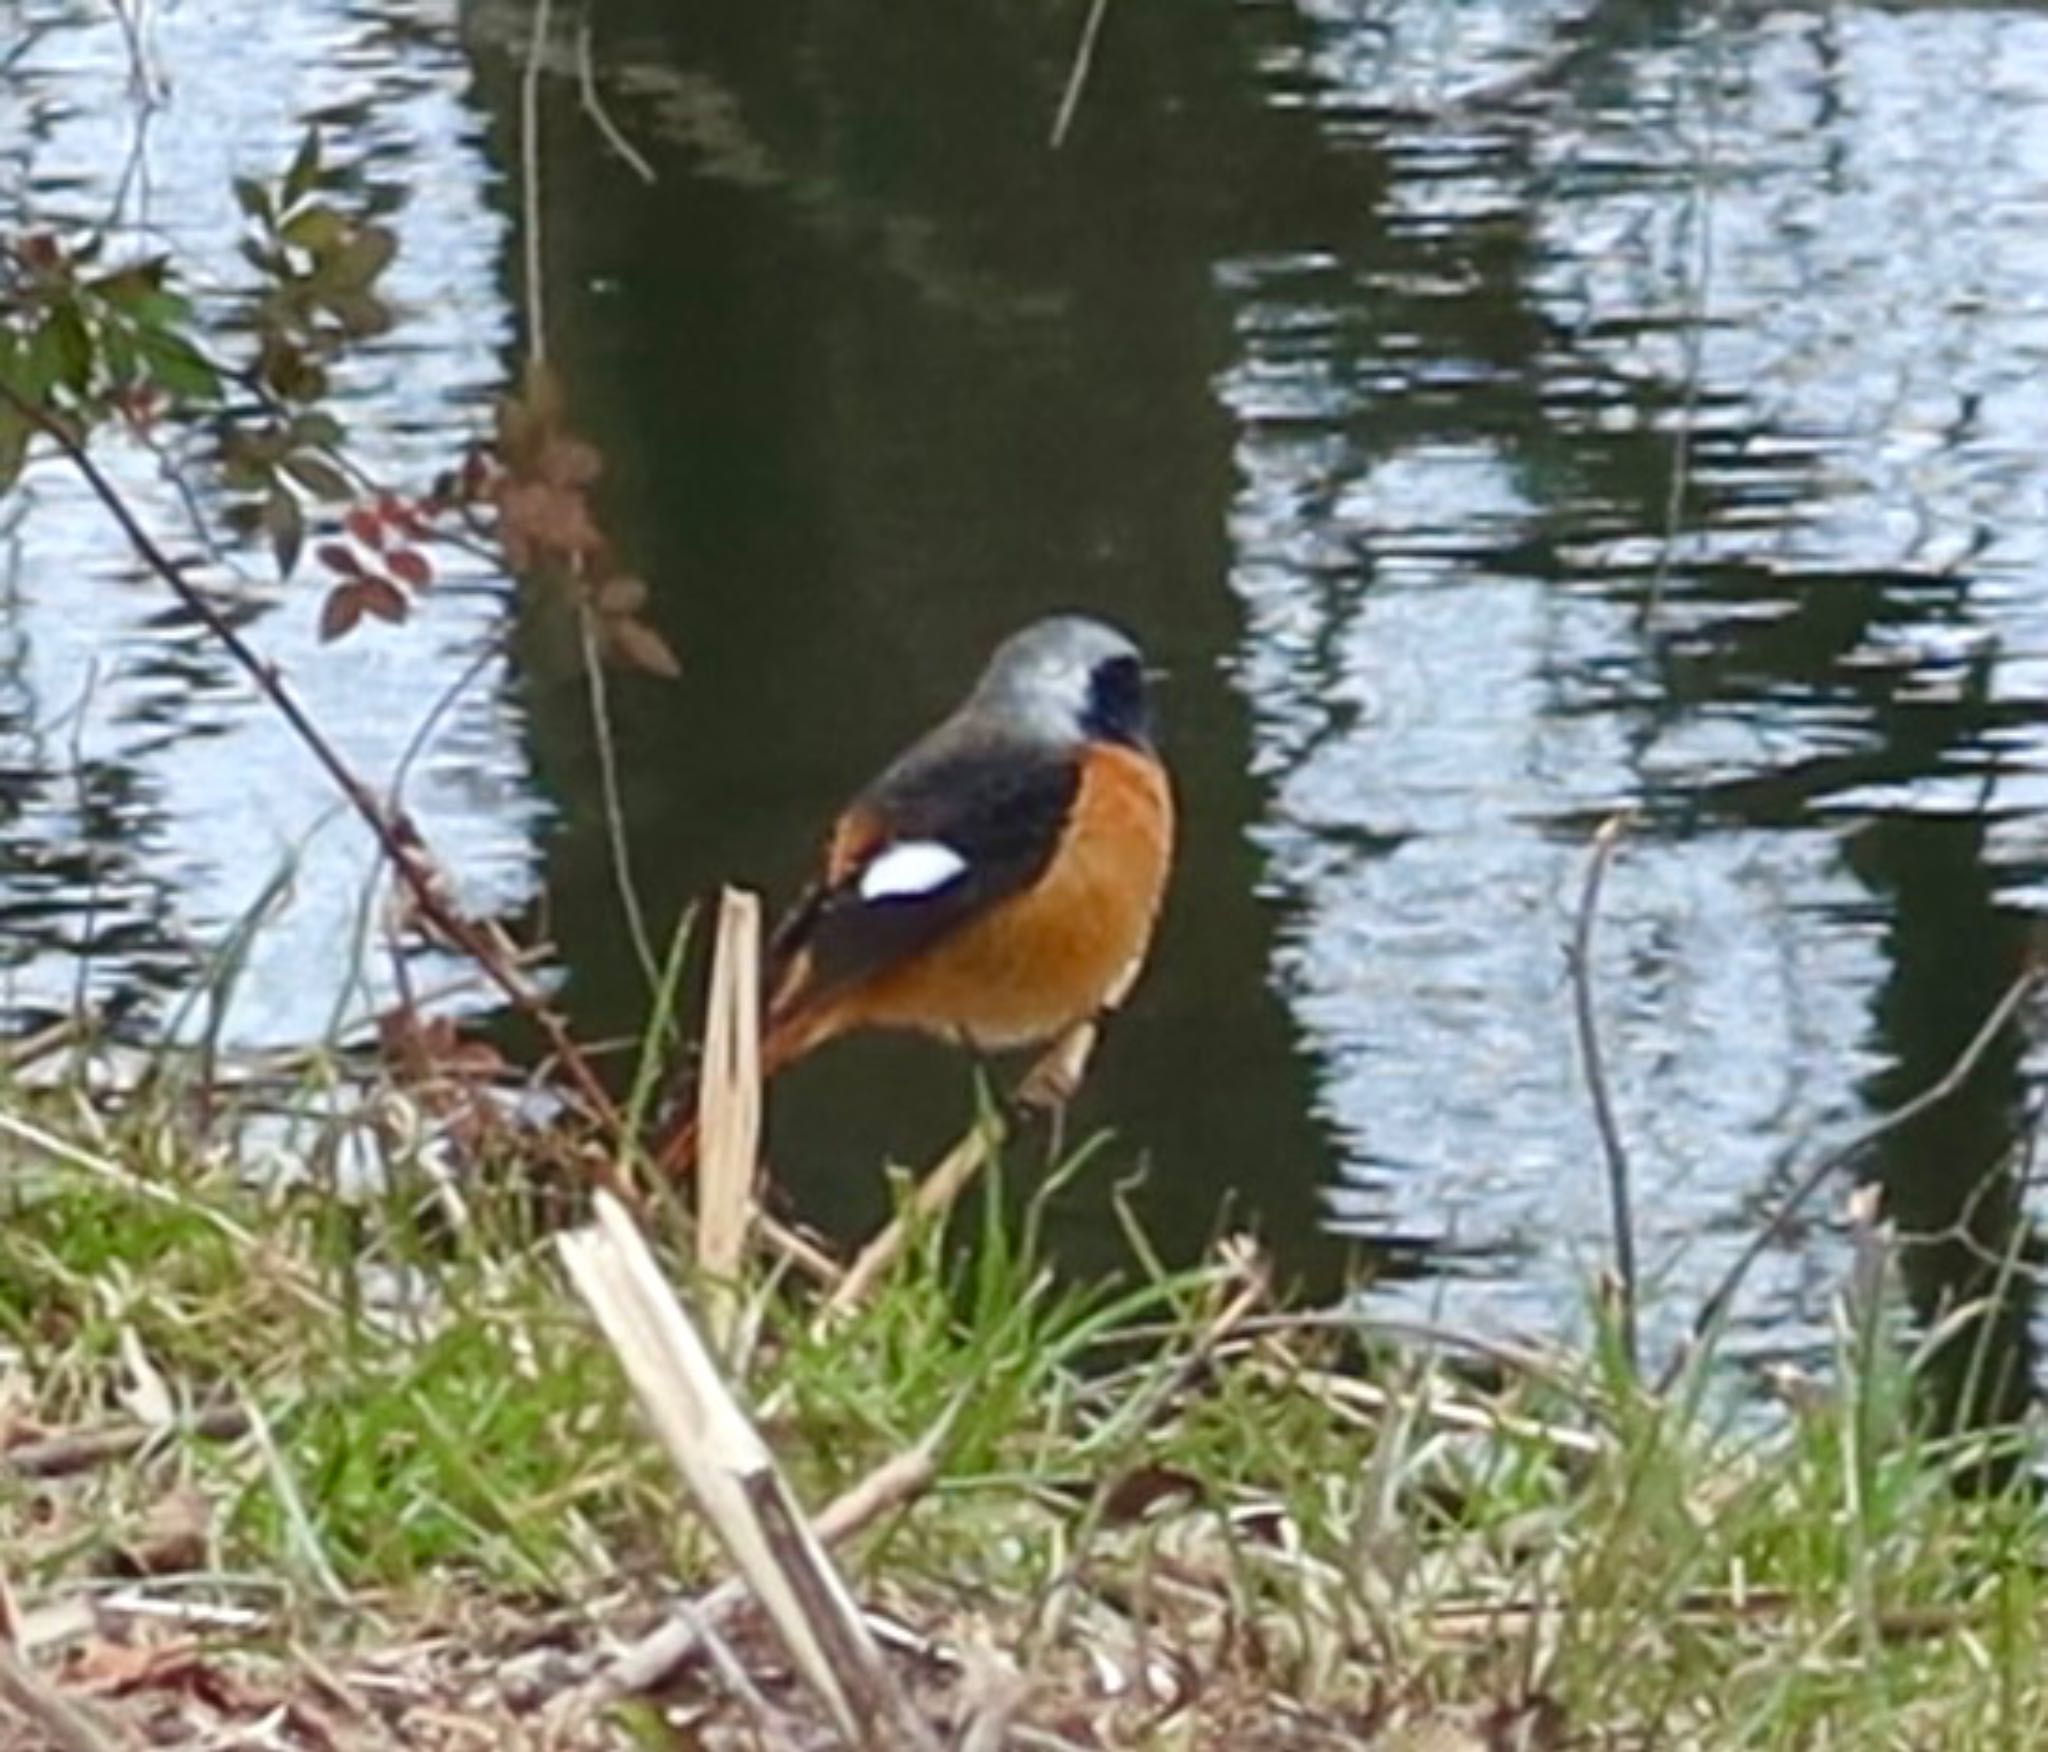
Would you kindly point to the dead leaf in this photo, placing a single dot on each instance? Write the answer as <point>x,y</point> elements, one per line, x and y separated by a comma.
<point>1140,1489</point>
<point>638,646</point>
<point>569,462</point>
<point>175,1535</point>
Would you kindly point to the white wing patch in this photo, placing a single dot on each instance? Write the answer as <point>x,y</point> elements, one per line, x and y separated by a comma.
<point>912,868</point>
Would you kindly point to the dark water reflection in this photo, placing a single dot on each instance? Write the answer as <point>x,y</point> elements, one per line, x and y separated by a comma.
<point>1495,415</point>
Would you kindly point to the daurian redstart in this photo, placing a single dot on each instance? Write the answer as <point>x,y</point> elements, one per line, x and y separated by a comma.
<point>997,885</point>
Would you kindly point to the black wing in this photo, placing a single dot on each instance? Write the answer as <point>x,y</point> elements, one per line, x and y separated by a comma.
<point>1002,808</point>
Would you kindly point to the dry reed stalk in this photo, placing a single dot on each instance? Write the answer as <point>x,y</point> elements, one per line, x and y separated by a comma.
<point>729,1099</point>
<point>737,1485</point>
<point>902,1477</point>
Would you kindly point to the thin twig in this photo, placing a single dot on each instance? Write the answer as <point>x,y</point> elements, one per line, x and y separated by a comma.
<point>1052,1081</point>
<point>1449,1410</point>
<point>616,836</point>
<point>1715,1308</point>
<point>1695,321</point>
<point>1077,75</point>
<point>1612,1148</point>
<point>771,1727</point>
<point>529,173</point>
<point>82,1450</point>
<point>395,834</point>
<point>423,733</point>
<point>69,1728</point>
<point>934,1194</point>
<point>593,107</point>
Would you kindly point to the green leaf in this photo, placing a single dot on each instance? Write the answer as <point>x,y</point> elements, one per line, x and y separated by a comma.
<point>263,258</point>
<point>319,229</point>
<point>120,354</point>
<point>290,372</point>
<point>14,433</point>
<point>127,288</point>
<point>361,314</point>
<point>162,309</point>
<point>254,200</point>
<point>177,367</point>
<point>31,367</point>
<point>305,170</point>
<point>246,474</point>
<point>319,476</point>
<point>366,255</point>
<point>316,431</point>
<point>61,354</point>
<point>285,524</point>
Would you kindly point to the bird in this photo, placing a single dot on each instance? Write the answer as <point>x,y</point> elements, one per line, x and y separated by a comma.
<point>998,884</point>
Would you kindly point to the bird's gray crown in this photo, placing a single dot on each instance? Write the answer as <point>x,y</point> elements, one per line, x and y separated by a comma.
<point>1040,681</point>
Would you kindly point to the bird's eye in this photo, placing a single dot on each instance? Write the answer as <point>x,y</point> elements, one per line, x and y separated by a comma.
<point>1116,702</point>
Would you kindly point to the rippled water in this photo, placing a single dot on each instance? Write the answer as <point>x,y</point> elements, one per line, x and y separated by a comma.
<point>149,802</point>
<point>1496,415</point>
<point>1758,550</point>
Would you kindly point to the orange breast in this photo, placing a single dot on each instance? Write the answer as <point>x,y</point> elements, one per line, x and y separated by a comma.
<point>1062,950</point>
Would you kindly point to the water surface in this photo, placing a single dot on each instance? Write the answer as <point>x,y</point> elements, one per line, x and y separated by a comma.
<point>1495,416</point>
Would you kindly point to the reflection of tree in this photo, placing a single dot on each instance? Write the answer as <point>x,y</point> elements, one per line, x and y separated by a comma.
<point>884,376</point>
<point>1951,1179</point>
<point>79,916</point>
<point>1589,430</point>
<point>879,378</point>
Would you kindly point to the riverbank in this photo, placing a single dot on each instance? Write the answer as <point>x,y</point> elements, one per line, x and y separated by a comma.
<point>280,1467</point>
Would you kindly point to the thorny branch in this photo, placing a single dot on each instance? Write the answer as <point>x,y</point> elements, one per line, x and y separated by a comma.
<point>396,836</point>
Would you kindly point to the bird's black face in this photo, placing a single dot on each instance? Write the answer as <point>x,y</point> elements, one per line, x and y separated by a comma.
<point>1116,709</point>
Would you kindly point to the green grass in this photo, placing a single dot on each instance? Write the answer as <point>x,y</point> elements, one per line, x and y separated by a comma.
<point>1304,1536</point>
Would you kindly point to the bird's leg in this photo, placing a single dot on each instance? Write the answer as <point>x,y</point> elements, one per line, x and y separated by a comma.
<point>1056,1079</point>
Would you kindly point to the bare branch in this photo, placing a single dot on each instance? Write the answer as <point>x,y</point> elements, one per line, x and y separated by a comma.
<point>1077,76</point>
<point>1715,1308</point>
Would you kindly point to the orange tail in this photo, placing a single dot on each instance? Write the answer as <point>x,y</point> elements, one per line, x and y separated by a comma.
<point>788,1038</point>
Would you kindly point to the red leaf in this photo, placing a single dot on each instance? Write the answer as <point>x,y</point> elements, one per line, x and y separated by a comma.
<point>340,612</point>
<point>410,566</point>
<point>384,599</point>
<point>339,557</point>
<point>365,525</point>
<point>400,516</point>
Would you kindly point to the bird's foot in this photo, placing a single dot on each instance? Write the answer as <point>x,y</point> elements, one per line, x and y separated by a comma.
<point>1056,1079</point>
